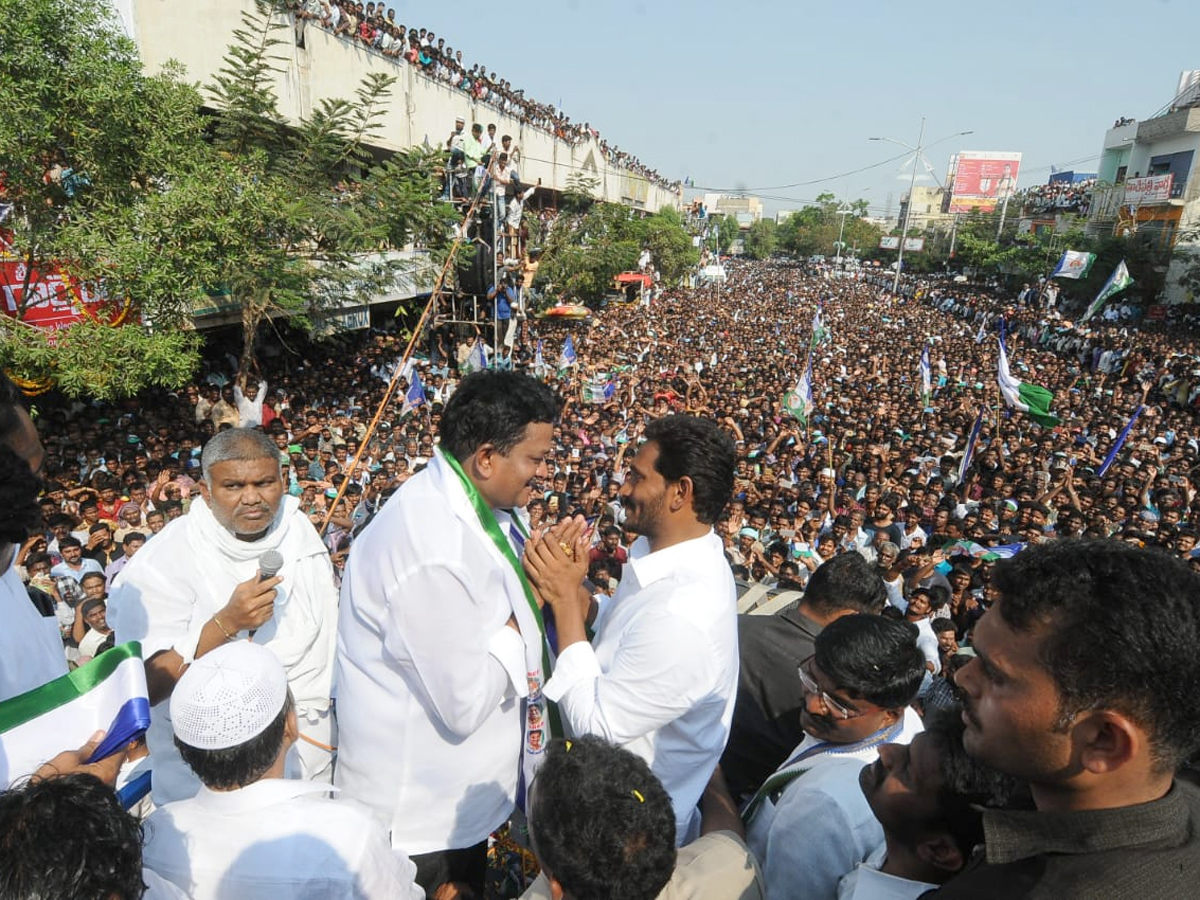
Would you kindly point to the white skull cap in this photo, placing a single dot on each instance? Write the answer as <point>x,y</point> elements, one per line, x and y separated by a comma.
<point>228,696</point>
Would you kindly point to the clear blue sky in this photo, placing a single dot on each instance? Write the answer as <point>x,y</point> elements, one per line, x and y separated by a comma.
<point>753,93</point>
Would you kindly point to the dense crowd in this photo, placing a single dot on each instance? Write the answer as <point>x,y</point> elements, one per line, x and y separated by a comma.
<point>892,510</point>
<point>870,460</point>
<point>1069,196</point>
<point>374,27</point>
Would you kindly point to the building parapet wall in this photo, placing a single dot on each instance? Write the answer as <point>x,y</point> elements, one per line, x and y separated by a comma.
<point>420,110</point>
<point>1178,122</point>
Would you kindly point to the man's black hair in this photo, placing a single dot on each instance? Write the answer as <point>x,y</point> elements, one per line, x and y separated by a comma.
<point>601,823</point>
<point>68,837</point>
<point>37,559</point>
<point>1121,628</point>
<point>495,408</point>
<point>69,541</point>
<point>12,401</point>
<point>942,624</point>
<point>235,767</point>
<point>847,581</point>
<point>18,498</point>
<point>696,448</point>
<point>871,657</point>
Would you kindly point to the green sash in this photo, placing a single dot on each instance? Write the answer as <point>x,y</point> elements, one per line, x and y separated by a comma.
<point>491,527</point>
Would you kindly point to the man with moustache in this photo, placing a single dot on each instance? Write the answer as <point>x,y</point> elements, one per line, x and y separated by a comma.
<point>441,644</point>
<point>809,824</point>
<point>928,797</point>
<point>660,676</point>
<point>1083,684</point>
<point>198,586</point>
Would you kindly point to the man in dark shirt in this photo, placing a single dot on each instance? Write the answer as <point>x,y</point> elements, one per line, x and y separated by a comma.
<point>766,717</point>
<point>1084,684</point>
<point>610,550</point>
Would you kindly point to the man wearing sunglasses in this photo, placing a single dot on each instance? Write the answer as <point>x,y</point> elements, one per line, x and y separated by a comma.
<point>809,824</point>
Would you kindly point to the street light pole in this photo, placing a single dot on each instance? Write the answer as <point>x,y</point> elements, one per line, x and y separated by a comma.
<point>912,183</point>
<point>911,186</point>
<point>844,210</point>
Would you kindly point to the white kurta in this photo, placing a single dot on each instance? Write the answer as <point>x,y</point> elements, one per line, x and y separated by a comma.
<point>178,581</point>
<point>31,647</point>
<point>660,677</point>
<point>275,839</point>
<point>429,676</point>
<point>869,882</point>
<point>825,806</point>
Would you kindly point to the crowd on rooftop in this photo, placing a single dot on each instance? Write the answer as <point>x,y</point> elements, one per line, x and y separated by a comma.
<point>1069,196</point>
<point>374,27</point>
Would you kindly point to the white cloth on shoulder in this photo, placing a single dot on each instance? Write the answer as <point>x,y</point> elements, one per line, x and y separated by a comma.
<point>178,581</point>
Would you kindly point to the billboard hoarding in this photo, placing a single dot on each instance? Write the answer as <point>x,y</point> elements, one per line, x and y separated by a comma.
<point>982,179</point>
<point>1151,189</point>
<point>50,299</point>
<point>911,245</point>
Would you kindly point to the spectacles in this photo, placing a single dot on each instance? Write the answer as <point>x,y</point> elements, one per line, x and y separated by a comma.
<point>831,705</point>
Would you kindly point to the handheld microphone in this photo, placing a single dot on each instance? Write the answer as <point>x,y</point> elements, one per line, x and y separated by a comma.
<point>269,564</point>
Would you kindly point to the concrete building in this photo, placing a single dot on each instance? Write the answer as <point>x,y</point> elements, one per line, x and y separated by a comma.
<point>746,209</point>
<point>421,109</point>
<point>1148,184</point>
<point>926,204</point>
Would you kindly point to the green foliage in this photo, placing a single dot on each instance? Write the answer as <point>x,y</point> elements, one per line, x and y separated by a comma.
<point>286,217</point>
<point>815,229</point>
<point>89,359</point>
<point>761,239</point>
<point>83,131</point>
<point>726,230</point>
<point>579,194</point>
<point>584,252</point>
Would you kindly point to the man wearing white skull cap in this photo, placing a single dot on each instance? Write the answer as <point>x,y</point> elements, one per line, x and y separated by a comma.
<point>250,832</point>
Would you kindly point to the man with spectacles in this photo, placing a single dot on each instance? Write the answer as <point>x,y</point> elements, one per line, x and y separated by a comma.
<point>809,823</point>
<point>766,719</point>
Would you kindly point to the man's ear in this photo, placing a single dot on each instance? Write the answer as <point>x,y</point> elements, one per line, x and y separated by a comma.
<point>1107,740</point>
<point>291,728</point>
<point>556,889</point>
<point>941,852</point>
<point>203,485</point>
<point>483,459</point>
<point>684,494</point>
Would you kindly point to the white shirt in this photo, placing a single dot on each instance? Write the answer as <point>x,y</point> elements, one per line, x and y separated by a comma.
<point>90,644</point>
<point>660,678</point>
<point>87,565</point>
<point>928,644</point>
<point>429,675</point>
<point>249,411</point>
<point>906,538</point>
<point>31,647</point>
<point>274,839</point>
<point>867,882</point>
<point>178,581</point>
<point>826,806</point>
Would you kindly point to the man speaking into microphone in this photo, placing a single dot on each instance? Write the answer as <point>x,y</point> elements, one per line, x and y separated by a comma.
<point>244,564</point>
